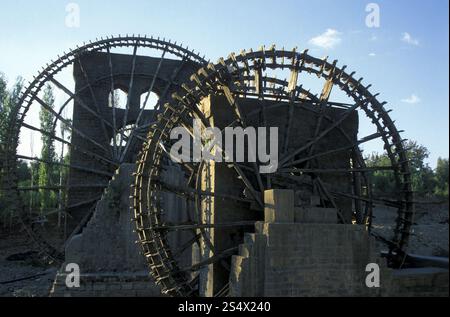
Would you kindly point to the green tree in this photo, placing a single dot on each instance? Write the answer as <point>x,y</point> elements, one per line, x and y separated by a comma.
<point>423,177</point>
<point>442,174</point>
<point>8,103</point>
<point>3,114</point>
<point>423,180</point>
<point>4,111</point>
<point>47,170</point>
<point>3,94</point>
<point>383,182</point>
<point>3,91</point>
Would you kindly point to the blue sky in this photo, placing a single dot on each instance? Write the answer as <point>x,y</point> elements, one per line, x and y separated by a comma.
<point>405,59</point>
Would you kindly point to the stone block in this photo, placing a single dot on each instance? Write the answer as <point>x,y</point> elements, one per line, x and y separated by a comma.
<point>315,215</point>
<point>279,206</point>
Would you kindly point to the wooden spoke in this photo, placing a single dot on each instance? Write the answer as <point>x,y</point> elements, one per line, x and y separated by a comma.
<point>176,227</point>
<point>67,123</point>
<point>211,260</point>
<point>186,245</point>
<point>80,168</point>
<point>111,77</point>
<point>74,206</point>
<point>337,170</point>
<point>141,111</point>
<point>82,103</point>
<point>190,192</point>
<point>341,149</point>
<point>54,188</point>
<point>79,148</point>
<point>94,98</point>
<point>343,117</point>
<point>127,106</point>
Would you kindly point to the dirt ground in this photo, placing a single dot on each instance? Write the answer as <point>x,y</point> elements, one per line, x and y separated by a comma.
<point>429,234</point>
<point>18,262</point>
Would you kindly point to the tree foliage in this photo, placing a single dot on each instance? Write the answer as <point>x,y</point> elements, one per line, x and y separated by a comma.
<point>8,103</point>
<point>48,174</point>
<point>426,182</point>
<point>442,174</point>
<point>30,174</point>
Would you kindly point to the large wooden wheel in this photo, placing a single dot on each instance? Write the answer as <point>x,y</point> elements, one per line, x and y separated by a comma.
<point>278,80</point>
<point>105,95</point>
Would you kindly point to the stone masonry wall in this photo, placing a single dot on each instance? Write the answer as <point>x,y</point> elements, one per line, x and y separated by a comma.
<point>304,252</point>
<point>109,259</point>
<point>112,284</point>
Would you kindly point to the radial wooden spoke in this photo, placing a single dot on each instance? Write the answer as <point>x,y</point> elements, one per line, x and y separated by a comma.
<point>186,245</point>
<point>385,240</point>
<point>324,97</point>
<point>233,103</point>
<point>94,98</point>
<point>141,111</point>
<point>330,198</point>
<point>82,103</point>
<point>385,202</point>
<point>292,90</point>
<point>79,148</point>
<point>344,116</point>
<point>337,170</point>
<point>67,123</point>
<point>193,285</point>
<point>80,168</point>
<point>54,188</point>
<point>114,123</point>
<point>190,192</point>
<point>150,90</point>
<point>176,227</point>
<point>309,109</point>
<point>73,206</point>
<point>247,183</point>
<point>357,185</point>
<point>292,86</point>
<point>290,118</point>
<point>224,291</point>
<point>237,109</point>
<point>316,132</point>
<point>211,260</point>
<point>186,164</point>
<point>258,80</point>
<point>127,106</point>
<point>341,149</point>
<point>97,115</point>
<point>60,112</point>
<point>329,83</point>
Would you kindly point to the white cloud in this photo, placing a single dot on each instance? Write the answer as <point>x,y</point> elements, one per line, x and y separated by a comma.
<point>407,38</point>
<point>327,40</point>
<point>413,99</point>
<point>372,54</point>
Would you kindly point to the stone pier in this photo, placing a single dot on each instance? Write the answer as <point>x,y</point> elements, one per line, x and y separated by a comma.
<point>303,251</point>
<point>106,252</point>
